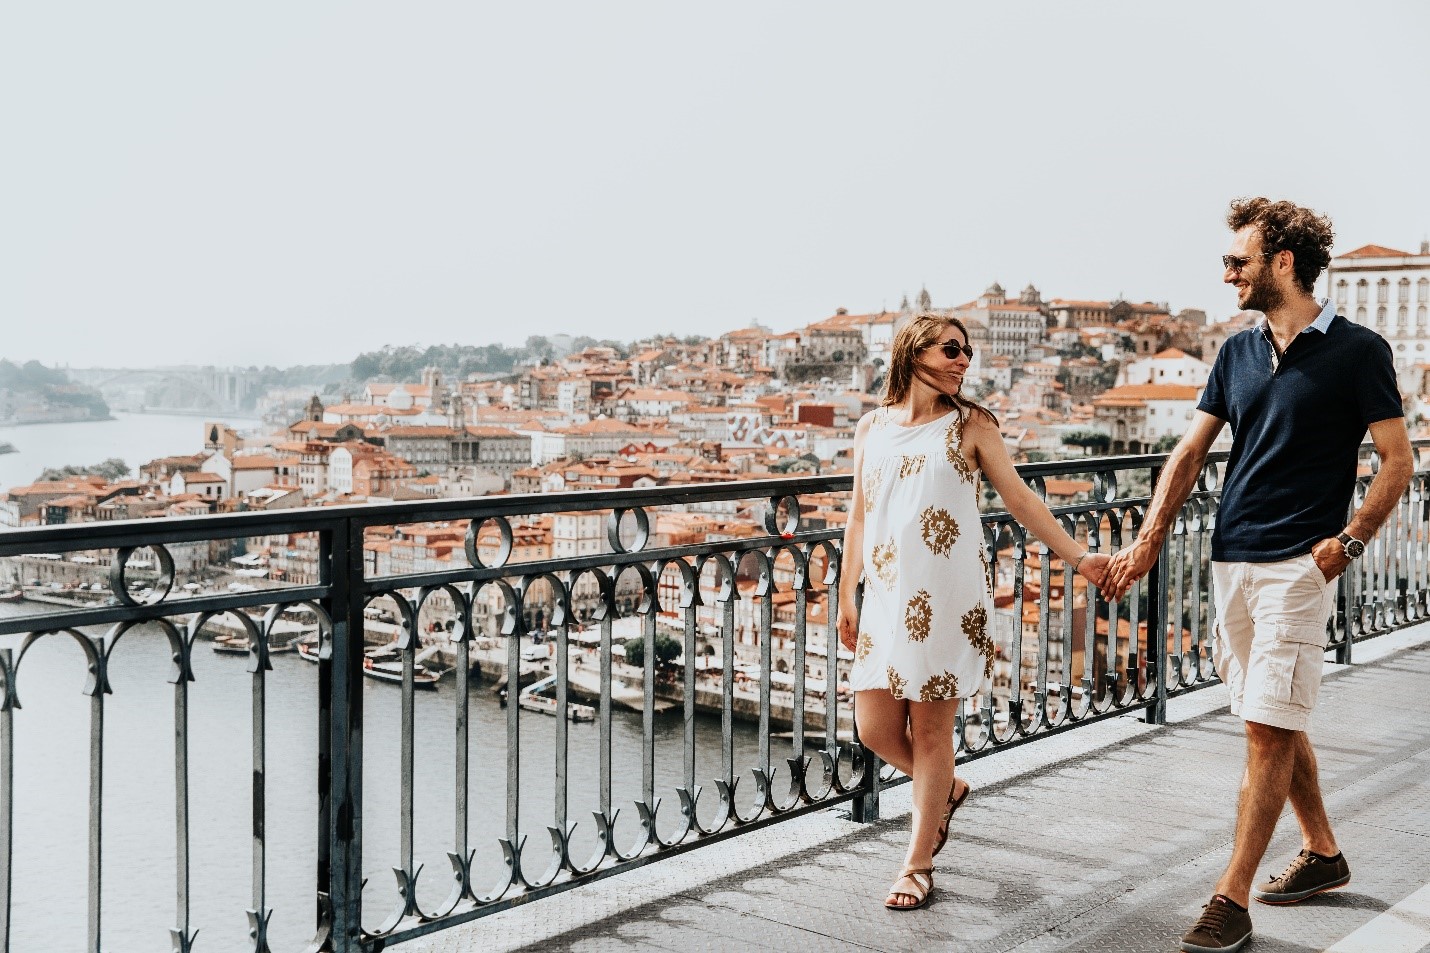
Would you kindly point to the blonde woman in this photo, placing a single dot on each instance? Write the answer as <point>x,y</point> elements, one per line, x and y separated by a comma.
<point>922,639</point>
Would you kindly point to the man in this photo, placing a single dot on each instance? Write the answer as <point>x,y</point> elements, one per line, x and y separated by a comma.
<point>1299,390</point>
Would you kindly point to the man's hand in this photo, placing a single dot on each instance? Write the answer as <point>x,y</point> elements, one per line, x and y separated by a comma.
<point>848,625</point>
<point>1330,557</point>
<point>1127,567</point>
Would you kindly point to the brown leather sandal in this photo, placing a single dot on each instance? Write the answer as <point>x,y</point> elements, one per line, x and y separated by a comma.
<point>954,803</point>
<point>913,875</point>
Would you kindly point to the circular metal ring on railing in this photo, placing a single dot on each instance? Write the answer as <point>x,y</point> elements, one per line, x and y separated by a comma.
<point>504,547</point>
<point>722,808</point>
<point>560,605</point>
<point>324,624</point>
<point>724,573</point>
<point>1038,485</point>
<point>613,529</point>
<point>833,561</point>
<point>800,572</point>
<point>682,832</point>
<point>605,594</point>
<point>118,575</point>
<point>1104,486</point>
<point>96,663</point>
<point>509,603</point>
<point>179,647</point>
<point>407,622</point>
<point>461,625</point>
<point>649,588</point>
<point>764,580</point>
<point>254,640</point>
<point>1209,478</point>
<point>1196,516</point>
<point>790,525</point>
<point>555,864</point>
<point>689,581</point>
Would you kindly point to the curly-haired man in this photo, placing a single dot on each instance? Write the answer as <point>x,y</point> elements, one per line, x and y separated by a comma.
<point>1299,390</point>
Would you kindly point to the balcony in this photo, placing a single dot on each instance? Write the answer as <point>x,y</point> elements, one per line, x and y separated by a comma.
<point>152,788</point>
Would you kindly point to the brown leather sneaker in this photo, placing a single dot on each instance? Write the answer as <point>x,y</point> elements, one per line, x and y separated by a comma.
<point>1222,928</point>
<point>1306,876</point>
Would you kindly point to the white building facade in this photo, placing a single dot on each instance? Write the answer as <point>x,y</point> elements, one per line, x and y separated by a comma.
<point>1388,291</point>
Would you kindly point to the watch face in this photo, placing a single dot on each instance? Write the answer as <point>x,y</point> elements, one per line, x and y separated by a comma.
<point>1354,548</point>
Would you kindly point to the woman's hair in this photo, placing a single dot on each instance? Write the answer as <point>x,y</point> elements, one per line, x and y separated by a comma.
<point>922,332</point>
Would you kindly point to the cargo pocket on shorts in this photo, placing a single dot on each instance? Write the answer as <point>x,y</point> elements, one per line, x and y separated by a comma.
<point>1293,668</point>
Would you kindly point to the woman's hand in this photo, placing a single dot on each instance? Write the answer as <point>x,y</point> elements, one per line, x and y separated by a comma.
<point>848,624</point>
<point>1093,568</point>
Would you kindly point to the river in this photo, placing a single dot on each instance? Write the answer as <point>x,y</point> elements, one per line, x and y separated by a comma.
<point>51,792</point>
<point>134,438</point>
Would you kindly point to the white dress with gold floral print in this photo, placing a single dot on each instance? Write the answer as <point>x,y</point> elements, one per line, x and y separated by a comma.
<point>923,625</point>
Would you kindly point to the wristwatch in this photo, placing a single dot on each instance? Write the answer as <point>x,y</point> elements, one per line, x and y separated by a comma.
<point>1351,546</point>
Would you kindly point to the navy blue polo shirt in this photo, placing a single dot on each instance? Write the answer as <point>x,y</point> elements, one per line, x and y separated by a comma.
<point>1296,425</point>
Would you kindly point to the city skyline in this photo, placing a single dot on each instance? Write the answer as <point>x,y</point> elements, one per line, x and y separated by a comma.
<point>266,192</point>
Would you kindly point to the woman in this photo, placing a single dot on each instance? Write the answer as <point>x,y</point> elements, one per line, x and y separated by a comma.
<point>921,641</point>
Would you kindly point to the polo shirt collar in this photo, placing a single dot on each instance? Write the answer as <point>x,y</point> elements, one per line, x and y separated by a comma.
<point>1322,322</point>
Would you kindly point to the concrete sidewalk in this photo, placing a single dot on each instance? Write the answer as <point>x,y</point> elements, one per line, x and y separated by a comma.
<point>1107,838</point>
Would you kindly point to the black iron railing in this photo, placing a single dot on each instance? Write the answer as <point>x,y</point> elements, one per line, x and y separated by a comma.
<point>748,724</point>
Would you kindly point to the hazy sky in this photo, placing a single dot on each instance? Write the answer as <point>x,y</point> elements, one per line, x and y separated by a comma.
<point>279,183</point>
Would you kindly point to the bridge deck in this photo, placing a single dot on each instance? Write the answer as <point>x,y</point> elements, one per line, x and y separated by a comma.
<point>1107,838</point>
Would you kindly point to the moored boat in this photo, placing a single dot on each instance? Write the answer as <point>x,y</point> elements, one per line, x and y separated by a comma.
<point>541,696</point>
<point>422,676</point>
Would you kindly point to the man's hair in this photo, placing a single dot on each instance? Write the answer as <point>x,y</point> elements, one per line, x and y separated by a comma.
<point>1285,226</point>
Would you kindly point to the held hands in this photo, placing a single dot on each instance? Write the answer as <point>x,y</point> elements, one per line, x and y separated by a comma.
<point>1127,567</point>
<point>1093,568</point>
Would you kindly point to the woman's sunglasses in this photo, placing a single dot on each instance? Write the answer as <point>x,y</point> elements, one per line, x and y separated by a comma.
<point>951,350</point>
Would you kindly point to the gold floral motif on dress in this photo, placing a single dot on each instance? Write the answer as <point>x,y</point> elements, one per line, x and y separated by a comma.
<point>885,558</point>
<point>939,688</point>
<point>863,647</point>
<point>953,447</point>
<point>909,465</point>
<point>918,616</point>
<point>897,683</point>
<point>975,626</point>
<point>940,530</point>
<point>872,478</point>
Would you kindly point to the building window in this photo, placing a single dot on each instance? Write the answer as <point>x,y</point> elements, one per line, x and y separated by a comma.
<point>1422,289</point>
<point>1404,289</point>
<point>1382,291</point>
<point>1342,291</point>
<point>1420,320</point>
<point>1402,319</point>
<point>1360,315</point>
<point>1361,291</point>
<point>1380,318</point>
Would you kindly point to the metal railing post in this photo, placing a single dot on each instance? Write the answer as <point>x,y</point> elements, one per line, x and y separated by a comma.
<point>1157,618</point>
<point>340,753</point>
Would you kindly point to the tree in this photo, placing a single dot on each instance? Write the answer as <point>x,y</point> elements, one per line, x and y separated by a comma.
<point>112,469</point>
<point>1087,439</point>
<point>1165,444</point>
<point>667,650</point>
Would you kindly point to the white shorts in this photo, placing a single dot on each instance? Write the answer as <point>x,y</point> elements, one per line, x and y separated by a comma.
<point>1271,637</point>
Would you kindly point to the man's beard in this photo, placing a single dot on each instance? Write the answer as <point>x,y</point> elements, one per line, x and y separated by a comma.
<point>1262,294</point>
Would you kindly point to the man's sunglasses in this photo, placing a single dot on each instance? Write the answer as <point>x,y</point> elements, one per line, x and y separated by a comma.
<point>1234,263</point>
<point>951,350</point>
